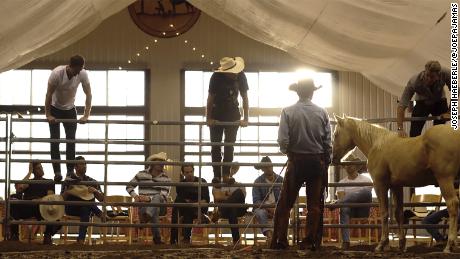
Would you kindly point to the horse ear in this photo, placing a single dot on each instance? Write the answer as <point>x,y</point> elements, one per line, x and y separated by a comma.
<point>338,119</point>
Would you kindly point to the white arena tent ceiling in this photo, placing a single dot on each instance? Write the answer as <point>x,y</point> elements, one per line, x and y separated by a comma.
<point>387,41</point>
<point>30,29</point>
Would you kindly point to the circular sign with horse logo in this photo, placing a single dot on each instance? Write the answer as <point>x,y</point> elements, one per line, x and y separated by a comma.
<point>164,18</point>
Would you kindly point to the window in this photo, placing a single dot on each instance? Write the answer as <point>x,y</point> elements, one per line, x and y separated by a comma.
<point>268,94</point>
<point>117,95</point>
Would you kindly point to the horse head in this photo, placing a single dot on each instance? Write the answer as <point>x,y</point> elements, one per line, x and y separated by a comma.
<point>343,139</point>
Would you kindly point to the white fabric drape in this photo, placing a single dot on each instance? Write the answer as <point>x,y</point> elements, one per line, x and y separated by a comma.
<point>387,41</point>
<point>34,28</point>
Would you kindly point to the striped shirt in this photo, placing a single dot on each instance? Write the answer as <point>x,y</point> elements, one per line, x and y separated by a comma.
<point>148,190</point>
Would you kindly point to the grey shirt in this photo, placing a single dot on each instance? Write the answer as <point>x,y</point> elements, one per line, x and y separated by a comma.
<point>433,93</point>
<point>305,129</point>
<point>148,190</point>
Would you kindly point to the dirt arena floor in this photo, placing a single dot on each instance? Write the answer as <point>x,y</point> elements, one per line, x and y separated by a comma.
<point>23,250</point>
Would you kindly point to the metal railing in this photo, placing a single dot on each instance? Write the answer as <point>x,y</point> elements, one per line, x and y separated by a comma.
<point>10,138</point>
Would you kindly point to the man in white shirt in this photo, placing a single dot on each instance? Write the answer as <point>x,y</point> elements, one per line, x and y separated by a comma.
<point>60,104</point>
<point>353,194</point>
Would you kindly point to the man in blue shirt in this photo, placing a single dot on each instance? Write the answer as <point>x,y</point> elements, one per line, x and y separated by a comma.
<point>266,195</point>
<point>305,136</point>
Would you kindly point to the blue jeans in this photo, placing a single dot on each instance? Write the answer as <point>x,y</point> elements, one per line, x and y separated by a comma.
<point>84,212</point>
<point>361,196</point>
<point>262,218</point>
<point>435,218</point>
<point>154,213</point>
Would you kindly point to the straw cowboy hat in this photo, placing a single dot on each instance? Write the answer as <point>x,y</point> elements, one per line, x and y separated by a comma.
<point>158,156</point>
<point>231,65</point>
<point>80,191</point>
<point>354,158</point>
<point>306,84</point>
<point>52,212</point>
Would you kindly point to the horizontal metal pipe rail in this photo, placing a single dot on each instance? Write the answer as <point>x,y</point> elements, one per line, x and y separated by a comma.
<point>204,204</point>
<point>184,184</point>
<point>176,163</point>
<point>143,162</point>
<point>155,122</point>
<point>140,142</point>
<point>148,122</point>
<point>211,225</point>
<point>112,153</point>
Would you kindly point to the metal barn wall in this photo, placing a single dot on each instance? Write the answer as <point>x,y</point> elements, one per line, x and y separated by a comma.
<point>360,98</point>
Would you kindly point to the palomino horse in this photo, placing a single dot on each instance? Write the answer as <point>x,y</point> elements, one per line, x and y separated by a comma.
<point>394,162</point>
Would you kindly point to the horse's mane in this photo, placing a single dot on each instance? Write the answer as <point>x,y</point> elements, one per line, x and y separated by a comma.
<point>371,133</point>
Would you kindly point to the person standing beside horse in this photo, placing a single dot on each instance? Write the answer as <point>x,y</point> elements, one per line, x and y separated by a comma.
<point>305,136</point>
<point>428,87</point>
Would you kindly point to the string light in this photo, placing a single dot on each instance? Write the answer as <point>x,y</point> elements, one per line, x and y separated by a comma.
<point>138,54</point>
<point>119,68</point>
<point>171,25</point>
<point>177,33</point>
<point>164,33</point>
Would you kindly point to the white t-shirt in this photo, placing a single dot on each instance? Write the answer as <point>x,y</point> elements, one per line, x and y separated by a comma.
<point>350,189</point>
<point>271,196</point>
<point>64,95</point>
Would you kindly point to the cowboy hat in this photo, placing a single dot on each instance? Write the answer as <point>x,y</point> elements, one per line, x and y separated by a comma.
<point>159,156</point>
<point>80,191</point>
<point>354,158</point>
<point>306,84</point>
<point>52,212</point>
<point>231,65</point>
<point>264,159</point>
